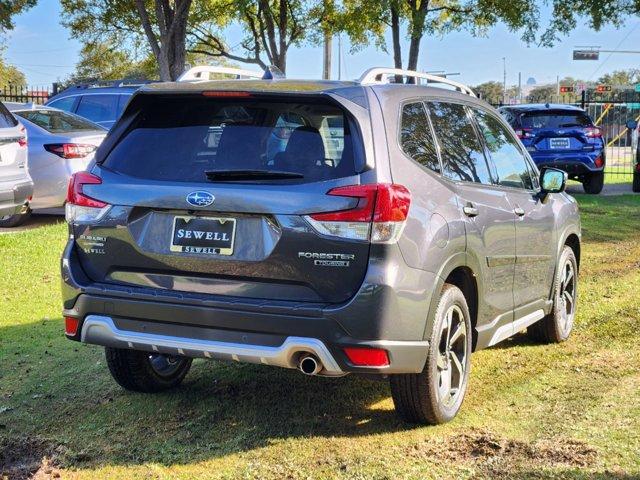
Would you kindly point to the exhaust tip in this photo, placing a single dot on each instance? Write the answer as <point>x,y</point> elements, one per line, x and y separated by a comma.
<point>309,365</point>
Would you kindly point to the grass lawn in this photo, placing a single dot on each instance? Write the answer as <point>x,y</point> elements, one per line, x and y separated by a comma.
<point>532,411</point>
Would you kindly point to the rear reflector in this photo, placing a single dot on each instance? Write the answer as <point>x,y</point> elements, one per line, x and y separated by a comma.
<point>599,162</point>
<point>71,326</point>
<point>79,207</point>
<point>367,357</point>
<point>378,216</point>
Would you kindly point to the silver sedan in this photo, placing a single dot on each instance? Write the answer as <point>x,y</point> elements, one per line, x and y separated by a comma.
<point>60,144</point>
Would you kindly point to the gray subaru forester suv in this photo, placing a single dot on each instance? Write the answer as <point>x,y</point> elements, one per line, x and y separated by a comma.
<point>359,227</point>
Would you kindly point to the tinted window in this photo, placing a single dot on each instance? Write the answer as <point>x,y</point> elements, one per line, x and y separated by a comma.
<point>98,108</point>
<point>555,119</point>
<point>462,154</point>
<point>512,169</point>
<point>65,104</point>
<point>416,138</point>
<point>57,122</point>
<point>178,139</point>
<point>6,119</point>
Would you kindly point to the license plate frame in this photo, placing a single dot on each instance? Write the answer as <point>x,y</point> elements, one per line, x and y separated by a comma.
<point>559,143</point>
<point>206,243</point>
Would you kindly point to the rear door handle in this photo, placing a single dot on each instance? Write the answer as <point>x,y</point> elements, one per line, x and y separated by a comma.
<point>470,211</point>
<point>519,211</point>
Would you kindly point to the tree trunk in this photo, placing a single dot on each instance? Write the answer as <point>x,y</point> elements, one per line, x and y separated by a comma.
<point>395,38</point>
<point>418,17</point>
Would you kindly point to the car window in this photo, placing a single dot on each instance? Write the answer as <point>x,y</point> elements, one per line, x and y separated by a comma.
<point>462,153</point>
<point>6,119</point>
<point>98,108</point>
<point>180,138</point>
<point>511,167</point>
<point>416,138</point>
<point>65,104</point>
<point>555,119</point>
<point>54,121</point>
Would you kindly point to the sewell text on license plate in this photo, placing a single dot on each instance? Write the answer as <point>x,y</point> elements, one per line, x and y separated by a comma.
<point>203,235</point>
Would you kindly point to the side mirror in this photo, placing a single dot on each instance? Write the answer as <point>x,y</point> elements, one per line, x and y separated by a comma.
<point>552,180</point>
<point>632,124</point>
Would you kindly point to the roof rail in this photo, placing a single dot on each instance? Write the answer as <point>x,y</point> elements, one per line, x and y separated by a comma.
<point>196,73</point>
<point>380,75</point>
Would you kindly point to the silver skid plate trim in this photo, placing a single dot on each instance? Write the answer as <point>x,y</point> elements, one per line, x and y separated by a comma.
<point>101,330</point>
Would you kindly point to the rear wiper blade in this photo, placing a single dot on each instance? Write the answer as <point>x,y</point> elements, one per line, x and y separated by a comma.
<point>231,175</point>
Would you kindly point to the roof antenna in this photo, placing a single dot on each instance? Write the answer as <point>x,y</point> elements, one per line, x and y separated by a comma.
<point>273,73</point>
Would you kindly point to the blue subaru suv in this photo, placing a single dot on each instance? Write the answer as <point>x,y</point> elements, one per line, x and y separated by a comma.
<point>563,137</point>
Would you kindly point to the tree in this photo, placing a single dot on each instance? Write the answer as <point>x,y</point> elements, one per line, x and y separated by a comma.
<point>10,75</point>
<point>104,61</point>
<point>492,92</point>
<point>621,77</point>
<point>139,27</point>
<point>367,20</point>
<point>542,94</point>
<point>10,8</point>
<point>271,28</point>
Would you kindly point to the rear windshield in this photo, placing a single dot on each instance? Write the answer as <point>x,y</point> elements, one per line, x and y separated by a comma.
<point>6,119</point>
<point>179,138</point>
<point>555,119</point>
<point>54,121</point>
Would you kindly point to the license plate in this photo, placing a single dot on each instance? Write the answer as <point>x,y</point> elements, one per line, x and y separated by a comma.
<point>204,235</point>
<point>559,143</point>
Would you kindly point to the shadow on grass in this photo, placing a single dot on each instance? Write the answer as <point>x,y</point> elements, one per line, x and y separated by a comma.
<point>62,392</point>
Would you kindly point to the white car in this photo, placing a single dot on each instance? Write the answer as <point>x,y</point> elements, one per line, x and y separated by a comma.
<point>16,186</point>
<point>60,144</point>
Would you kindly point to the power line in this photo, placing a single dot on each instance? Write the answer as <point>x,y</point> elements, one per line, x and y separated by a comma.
<point>613,51</point>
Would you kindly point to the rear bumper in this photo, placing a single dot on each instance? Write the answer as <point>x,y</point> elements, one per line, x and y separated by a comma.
<point>14,196</point>
<point>255,331</point>
<point>580,165</point>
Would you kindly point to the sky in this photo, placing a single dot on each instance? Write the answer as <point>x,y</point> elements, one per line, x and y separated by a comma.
<point>44,50</point>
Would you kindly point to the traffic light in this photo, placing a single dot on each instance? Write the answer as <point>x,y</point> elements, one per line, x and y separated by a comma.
<point>566,89</point>
<point>603,88</point>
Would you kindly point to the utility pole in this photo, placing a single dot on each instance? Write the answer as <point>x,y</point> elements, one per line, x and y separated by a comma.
<point>339,57</point>
<point>520,87</point>
<point>326,64</point>
<point>557,87</point>
<point>504,80</point>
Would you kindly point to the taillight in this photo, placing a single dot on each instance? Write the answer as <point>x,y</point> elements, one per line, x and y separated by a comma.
<point>367,357</point>
<point>593,132</point>
<point>22,141</point>
<point>79,207</point>
<point>524,133</point>
<point>379,215</point>
<point>71,326</point>
<point>70,150</point>
<point>598,162</point>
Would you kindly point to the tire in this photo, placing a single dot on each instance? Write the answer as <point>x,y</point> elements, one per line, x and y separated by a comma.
<point>12,221</point>
<point>636,181</point>
<point>139,371</point>
<point>556,327</point>
<point>593,183</point>
<point>424,397</point>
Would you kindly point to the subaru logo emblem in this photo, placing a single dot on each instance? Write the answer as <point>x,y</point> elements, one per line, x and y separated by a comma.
<point>200,199</point>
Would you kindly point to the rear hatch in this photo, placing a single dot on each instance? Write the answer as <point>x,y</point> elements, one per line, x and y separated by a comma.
<point>559,131</point>
<point>209,195</point>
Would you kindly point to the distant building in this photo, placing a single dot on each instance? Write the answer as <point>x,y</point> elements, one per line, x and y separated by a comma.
<point>531,81</point>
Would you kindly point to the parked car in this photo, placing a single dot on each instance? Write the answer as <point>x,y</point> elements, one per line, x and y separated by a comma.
<point>60,144</point>
<point>16,186</point>
<point>101,103</point>
<point>563,137</point>
<point>632,125</point>
<point>394,255</point>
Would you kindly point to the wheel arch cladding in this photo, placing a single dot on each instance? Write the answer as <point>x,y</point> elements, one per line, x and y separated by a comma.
<point>573,242</point>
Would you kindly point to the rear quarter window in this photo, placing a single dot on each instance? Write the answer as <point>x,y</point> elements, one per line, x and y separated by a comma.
<point>180,138</point>
<point>7,120</point>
